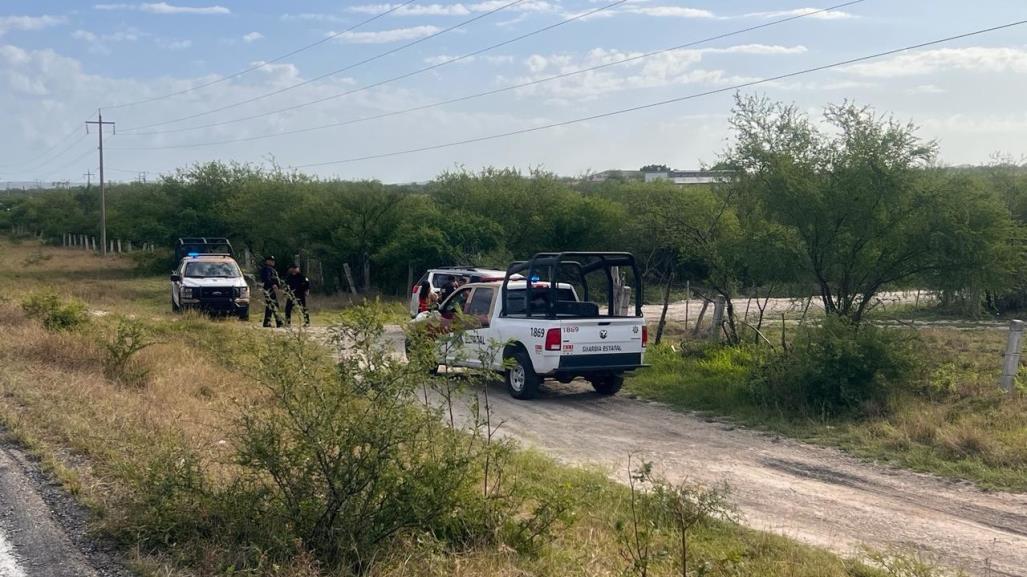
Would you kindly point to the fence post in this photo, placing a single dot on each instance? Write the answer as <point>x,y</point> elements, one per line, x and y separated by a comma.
<point>349,277</point>
<point>1011,360</point>
<point>718,318</point>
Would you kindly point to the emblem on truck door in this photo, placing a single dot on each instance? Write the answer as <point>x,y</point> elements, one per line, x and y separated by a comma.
<point>602,334</point>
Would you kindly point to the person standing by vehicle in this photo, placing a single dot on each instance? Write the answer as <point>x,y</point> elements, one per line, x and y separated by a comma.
<point>298,288</point>
<point>449,288</point>
<point>271,283</point>
<point>426,298</point>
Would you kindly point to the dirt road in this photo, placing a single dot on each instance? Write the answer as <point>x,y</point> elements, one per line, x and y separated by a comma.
<point>817,495</point>
<point>813,494</point>
<point>42,531</point>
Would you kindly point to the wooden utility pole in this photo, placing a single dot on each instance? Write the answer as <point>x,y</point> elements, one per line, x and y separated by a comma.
<point>103,192</point>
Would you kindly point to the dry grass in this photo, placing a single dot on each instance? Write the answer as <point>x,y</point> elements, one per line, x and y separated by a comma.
<point>97,436</point>
<point>957,423</point>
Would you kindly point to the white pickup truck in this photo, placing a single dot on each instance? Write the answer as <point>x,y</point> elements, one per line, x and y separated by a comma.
<point>534,329</point>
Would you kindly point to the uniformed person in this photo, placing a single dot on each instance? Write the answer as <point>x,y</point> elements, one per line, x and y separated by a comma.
<point>271,283</point>
<point>298,289</point>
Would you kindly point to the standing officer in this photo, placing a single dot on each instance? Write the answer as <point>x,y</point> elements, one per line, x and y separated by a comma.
<point>271,283</point>
<point>299,287</point>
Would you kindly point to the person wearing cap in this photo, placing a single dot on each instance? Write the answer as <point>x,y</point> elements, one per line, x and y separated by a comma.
<point>271,283</point>
<point>296,294</point>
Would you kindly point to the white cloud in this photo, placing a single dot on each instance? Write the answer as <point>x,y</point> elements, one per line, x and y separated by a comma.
<point>8,23</point>
<point>313,17</point>
<point>926,89</point>
<point>99,43</point>
<point>666,69</point>
<point>973,58</point>
<point>809,12</point>
<point>252,37</point>
<point>175,44</point>
<point>670,11</point>
<point>386,36</point>
<point>456,9</point>
<point>490,59</point>
<point>164,8</point>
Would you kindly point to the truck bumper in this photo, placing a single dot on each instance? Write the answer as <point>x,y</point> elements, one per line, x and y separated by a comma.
<point>619,362</point>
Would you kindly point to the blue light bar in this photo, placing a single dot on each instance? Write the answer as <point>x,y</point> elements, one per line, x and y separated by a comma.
<point>193,254</point>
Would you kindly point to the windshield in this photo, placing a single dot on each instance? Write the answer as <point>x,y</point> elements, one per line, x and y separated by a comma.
<point>212,270</point>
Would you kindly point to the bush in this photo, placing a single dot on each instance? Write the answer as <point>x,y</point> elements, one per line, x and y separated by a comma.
<point>837,368</point>
<point>154,262</point>
<point>120,347</point>
<point>55,313</point>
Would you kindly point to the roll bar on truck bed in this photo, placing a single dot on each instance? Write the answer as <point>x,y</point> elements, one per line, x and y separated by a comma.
<point>583,263</point>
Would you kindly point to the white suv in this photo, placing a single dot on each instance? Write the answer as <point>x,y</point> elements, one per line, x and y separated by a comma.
<point>438,277</point>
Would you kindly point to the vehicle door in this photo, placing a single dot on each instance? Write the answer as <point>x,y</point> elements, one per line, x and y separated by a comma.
<point>451,324</point>
<point>176,283</point>
<point>479,338</point>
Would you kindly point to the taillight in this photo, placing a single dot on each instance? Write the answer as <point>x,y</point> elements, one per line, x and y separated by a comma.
<point>416,288</point>
<point>645,336</point>
<point>553,340</point>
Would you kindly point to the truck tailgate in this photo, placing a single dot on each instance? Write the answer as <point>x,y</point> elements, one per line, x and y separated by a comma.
<point>594,343</point>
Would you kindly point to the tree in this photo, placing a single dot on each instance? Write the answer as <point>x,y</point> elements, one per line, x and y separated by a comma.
<point>853,201</point>
<point>655,168</point>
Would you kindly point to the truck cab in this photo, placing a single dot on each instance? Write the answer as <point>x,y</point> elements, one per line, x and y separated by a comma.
<point>212,283</point>
<point>534,329</point>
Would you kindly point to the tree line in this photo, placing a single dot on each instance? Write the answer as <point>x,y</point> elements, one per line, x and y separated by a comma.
<point>841,207</point>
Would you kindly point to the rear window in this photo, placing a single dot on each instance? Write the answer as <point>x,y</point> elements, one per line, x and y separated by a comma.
<point>540,297</point>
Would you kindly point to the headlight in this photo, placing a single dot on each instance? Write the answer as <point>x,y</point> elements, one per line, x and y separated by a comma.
<point>242,292</point>
<point>187,292</point>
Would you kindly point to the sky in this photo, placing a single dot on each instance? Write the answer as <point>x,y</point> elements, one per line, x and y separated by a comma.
<point>189,81</point>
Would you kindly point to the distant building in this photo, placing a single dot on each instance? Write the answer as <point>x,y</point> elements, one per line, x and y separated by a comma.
<point>690,177</point>
<point>681,177</point>
<point>617,175</point>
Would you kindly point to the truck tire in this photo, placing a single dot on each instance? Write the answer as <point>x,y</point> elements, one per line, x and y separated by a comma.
<point>174,307</point>
<point>607,384</point>
<point>244,314</point>
<point>521,381</point>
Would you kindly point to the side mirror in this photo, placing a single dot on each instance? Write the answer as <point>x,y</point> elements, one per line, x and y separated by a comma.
<point>176,278</point>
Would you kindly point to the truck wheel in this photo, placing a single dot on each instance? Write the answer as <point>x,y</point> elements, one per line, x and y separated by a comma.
<point>607,384</point>
<point>521,380</point>
<point>244,314</point>
<point>174,307</point>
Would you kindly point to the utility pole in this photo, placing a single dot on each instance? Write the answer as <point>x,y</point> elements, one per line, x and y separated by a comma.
<point>89,178</point>
<point>103,193</point>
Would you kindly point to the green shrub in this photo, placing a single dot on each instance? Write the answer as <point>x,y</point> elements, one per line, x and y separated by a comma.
<point>343,458</point>
<point>837,368</point>
<point>153,262</point>
<point>55,313</point>
<point>120,348</point>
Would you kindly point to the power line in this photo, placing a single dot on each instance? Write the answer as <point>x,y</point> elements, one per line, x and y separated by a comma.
<point>255,67</point>
<point>39,164</point>
<point>668,101</point>
<point>478,94</point>
<point>67,165</point>
<point>46,152</point>
<point>333,72</point>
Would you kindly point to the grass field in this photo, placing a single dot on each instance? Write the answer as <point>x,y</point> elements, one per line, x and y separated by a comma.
<point>957,423</point>
<point>100,436</point>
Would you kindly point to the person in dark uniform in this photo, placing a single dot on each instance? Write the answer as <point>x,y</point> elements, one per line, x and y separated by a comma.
<point>449,288</point>
<point>299,287</point>
<point>271,283</point>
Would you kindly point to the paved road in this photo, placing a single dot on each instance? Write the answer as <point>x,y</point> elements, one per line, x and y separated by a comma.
<point>818,495</point>
<point>42,531</point>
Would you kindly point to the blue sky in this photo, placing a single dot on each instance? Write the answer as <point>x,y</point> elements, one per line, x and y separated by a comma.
<point>60,60</point>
